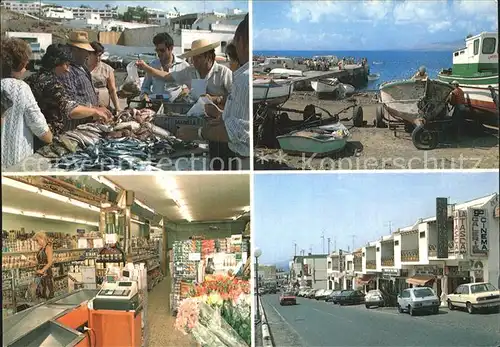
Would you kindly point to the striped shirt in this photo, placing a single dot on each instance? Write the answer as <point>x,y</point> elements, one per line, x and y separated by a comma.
<point>78,85</point>
<point>236,112</point>
<point>155,85</point>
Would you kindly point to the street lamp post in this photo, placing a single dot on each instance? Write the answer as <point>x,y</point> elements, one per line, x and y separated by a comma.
<point>257,253</point>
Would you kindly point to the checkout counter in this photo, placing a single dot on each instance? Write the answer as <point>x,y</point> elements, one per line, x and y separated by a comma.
<point>110,316</point>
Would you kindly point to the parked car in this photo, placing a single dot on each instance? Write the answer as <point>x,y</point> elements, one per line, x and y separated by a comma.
<point>374,298</point>
<point>413,300</point>
<point>311,293</point>
<point>475,296</point>
<point>352,297</point>
<point>325,294</point>
<point>334,296</point>
<point>303,292</point>
<point>288,298</point>
<point>318,294</point>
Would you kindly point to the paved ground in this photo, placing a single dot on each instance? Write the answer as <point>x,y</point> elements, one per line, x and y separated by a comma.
<point>316,323</point>
<point>371,148</point>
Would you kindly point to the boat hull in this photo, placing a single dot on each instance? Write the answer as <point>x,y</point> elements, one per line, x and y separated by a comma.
<point>322,87</point>
<point>271,93</point>
<point>401,98</point>
<point>299,144</point>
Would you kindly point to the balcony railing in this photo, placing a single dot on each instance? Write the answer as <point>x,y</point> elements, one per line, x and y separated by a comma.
<point>388,261</point>
<point>371,264</point>
<point>433,249</point>
<point>410,255</point>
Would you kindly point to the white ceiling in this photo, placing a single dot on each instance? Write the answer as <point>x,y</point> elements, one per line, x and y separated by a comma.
<point>208,197</point>
<point>34,202</point>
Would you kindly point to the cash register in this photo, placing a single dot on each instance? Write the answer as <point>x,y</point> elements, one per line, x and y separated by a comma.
<point>120,296</point>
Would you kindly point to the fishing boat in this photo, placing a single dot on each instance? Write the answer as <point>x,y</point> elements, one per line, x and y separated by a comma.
<point>327,85</point>
<point>319,140</point>
<point>373,76</point>
<point>271,91</point>
<point>286,72</point>
<point>403,99</point>
<point>475,68</point>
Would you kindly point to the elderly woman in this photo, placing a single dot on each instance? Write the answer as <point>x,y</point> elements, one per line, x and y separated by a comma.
<point>103,78</point>
<point>54,101</point>
<point>23,120</point>
<point>205,76</point>
<point>45,259</point>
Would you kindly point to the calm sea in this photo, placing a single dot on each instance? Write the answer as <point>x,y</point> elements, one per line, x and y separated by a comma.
<point>391,65</point>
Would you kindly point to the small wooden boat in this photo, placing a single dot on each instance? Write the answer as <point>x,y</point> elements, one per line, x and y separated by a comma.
<point>266,90</point>
<point>373,76</point>
<point>321,141</point>
<point>286,72</point>
<point>327,85</point>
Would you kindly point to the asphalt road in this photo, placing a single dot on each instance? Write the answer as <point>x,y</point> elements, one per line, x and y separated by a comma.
<point>316,323</point>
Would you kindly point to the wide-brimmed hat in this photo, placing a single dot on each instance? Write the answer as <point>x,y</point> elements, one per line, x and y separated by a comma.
<point>199,47</point>
<point>80,39</point>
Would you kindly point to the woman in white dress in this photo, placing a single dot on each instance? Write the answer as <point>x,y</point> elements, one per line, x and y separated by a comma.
<point>23,120</point>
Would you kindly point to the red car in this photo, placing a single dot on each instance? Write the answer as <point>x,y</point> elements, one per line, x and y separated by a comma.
<point>288,299</point>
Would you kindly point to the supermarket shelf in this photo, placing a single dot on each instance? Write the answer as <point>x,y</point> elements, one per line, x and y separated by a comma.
<point>33,266</point>
<point>55,251</point>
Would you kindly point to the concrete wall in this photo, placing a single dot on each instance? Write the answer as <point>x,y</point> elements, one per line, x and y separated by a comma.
<point>188,36</point>
<point>16,222</point>
<point>423,243</point>
<point>111,38</point>
<point>144,36</point>
<point>397,251</point>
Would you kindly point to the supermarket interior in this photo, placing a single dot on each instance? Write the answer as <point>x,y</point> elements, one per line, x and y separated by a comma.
<point>126,260</point>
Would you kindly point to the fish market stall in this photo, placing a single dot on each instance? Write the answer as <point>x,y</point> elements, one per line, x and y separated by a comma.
<point>137,139</point>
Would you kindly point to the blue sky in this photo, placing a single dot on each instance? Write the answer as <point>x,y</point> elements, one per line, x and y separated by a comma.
<point>182,6</point>
<point>368,24</point>
<point>297,208</point>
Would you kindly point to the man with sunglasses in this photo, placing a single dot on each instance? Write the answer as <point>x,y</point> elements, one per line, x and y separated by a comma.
<point>167,61</point>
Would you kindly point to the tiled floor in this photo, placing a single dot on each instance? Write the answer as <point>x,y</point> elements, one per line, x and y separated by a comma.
<point>161,322</point>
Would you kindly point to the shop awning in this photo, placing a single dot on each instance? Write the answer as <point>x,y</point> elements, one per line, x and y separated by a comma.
<point>420,280</point>
<point>365,279</point>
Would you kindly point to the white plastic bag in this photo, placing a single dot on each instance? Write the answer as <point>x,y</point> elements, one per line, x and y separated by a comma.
<point>132,84</point>
<point>198,109</point>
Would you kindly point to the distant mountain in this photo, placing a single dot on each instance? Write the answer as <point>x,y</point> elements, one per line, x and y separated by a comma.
<point>282,265</point>
<point>441,46</point>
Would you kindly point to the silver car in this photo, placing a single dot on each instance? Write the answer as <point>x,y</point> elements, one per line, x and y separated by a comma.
<point>413,300</point>
<point>374,298</point>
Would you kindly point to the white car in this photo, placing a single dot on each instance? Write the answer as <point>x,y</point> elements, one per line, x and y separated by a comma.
<point>413,300</point>
<point>474,296</point>
<point>374,298</point>
<point>318,294</point>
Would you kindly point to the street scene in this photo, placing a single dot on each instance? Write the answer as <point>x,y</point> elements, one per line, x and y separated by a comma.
<point>352,265</point>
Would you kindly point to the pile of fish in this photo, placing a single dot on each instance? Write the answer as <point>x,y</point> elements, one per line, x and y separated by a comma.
<point>120,154</point>
<point>129,143</point>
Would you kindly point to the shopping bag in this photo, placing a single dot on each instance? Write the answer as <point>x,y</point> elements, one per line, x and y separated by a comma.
<point>132,83</point>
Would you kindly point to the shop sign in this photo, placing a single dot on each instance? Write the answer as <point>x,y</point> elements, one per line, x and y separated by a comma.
<point>391,272</point>
<point>464,266</point>
<point>442,230</point>
<point>479,231</point>
<point>455,271</point>
<point>460,232</point>
<point>428,270</point>
<point>350,273</point>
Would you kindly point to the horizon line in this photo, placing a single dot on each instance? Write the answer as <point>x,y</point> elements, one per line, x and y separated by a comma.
<point>352,50</point>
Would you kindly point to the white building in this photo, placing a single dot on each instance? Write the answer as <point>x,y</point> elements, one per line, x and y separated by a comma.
<point>310,271</point>
<point>57,13</point>
<point>38,41</point>
<point>83,12</point>
<point>409,256</point>
<point>29,7</point>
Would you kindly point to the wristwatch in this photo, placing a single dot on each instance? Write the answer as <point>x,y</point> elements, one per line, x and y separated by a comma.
<point>200,133</point>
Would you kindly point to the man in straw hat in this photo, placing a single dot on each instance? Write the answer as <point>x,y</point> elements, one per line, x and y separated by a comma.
<point>234,125</point>
<point>167,61</point>
<point>78,81</point>
<point>456,98</point>
<point>205,76</point>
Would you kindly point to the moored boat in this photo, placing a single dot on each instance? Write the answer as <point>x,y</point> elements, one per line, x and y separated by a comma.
<point>475,68</point>
<point>328,85</point>
<point>373,76</point>
<point>267,90</point>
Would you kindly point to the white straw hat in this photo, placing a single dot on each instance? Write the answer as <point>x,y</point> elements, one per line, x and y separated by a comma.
<point>199,47</point>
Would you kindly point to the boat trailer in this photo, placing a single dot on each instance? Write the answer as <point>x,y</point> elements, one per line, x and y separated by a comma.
<point>271,121</point>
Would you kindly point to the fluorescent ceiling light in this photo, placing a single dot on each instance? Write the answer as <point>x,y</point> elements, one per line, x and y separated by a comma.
<point>34,214</point>
<point>29,188</point>
<point>144,206</point>
<point>169,184</point>
<point>137,221</point>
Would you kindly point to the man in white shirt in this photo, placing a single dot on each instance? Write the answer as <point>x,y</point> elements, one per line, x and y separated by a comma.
<point>234,125</point>
<point>167,61</point>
